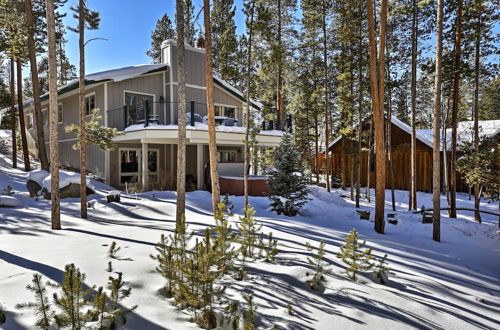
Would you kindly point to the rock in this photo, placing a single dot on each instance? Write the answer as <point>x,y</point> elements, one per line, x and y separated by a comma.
<point>426,218</point>
<point>33,187</point>
<point>393,221</point>
<point>70,191</point>
<point>9,201</point>
<point>363,215</point>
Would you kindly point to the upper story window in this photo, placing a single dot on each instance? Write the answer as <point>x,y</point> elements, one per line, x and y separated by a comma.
<point>224,111</point>
<point>135,104</point>
<point>89,104</point>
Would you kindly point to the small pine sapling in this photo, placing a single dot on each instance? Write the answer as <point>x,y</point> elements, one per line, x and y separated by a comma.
<point>115,313</point>
<point>271,248</point>
<point>99,308</point>
<point>250,313</point>
<point>382,269</point>
<point>320,268</point>
<point>225,236</point>
<point>248,229</point>
<point>72,299</point>
<point>41,307</point>
<point>289,310</point>
<point>354,256</point>
<point>113,250</point>
<point>110,267</point>
<point>228,206</point>
<point>233,311</point>
<point>166,263</point>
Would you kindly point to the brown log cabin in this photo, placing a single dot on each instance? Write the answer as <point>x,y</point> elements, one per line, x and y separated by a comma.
<point>343,156</point>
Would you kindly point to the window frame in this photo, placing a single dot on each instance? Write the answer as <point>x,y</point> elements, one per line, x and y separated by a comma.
<point>85,101</point>
<point>139,167</point>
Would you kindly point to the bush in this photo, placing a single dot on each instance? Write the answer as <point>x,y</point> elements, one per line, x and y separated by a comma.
<point>354,256</point>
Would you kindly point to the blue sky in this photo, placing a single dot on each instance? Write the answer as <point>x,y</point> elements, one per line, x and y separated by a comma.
<point>127,24</point>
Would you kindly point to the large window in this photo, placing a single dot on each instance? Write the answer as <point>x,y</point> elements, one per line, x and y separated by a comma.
<point>136,104</point>
<point>131,165</point>
<point>225,111</point>
<point>89,104</point>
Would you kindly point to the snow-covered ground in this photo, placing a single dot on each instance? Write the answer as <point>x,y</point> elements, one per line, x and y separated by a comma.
<point>454,284</point>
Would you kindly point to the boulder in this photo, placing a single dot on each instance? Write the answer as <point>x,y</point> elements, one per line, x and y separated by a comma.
<point>9,201</point>
<point>33,187</point>
<point>70,191</point>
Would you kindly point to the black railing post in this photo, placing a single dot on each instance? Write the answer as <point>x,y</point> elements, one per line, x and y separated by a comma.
<point>289,123</point>
<point>263,125</point>
<point>192,113</point>
<point>271,125</point>
<point>146,113</point>
<point>124,116</point>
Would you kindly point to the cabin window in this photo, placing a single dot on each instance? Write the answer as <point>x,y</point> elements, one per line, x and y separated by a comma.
<point>89,104</point>
<point>60,113</point>
<point>224,111</point>
<point>226,156</point>
<point>135,104</point>
<point>29,121</point>
<point>131,165</point>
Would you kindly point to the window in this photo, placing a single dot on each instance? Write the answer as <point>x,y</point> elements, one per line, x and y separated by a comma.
<point>131,166</point>
<point>135,104</point>
<point>224,111</point>
<point>60,113</point>
<point>89,104</point>
<point>226,156</point>
<point>29,121</point>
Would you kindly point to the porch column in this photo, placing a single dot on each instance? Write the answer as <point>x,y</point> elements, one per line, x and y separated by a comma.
<point>145,174</point>
<point>200,170</point>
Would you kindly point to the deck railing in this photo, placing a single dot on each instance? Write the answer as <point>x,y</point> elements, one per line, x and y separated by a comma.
<point>166,113</point>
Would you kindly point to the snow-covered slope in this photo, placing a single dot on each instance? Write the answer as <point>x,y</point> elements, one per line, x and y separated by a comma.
<point>449,285</point>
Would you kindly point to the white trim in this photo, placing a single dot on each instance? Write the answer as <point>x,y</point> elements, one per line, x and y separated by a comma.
<point>171,74</point>
<point>107,153</point>
<point>164,96</point>
<point>200,171</point>
<point>188,85</point>
<point>141,93</point>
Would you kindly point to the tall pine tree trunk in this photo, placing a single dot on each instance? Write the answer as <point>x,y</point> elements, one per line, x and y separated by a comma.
<point>248,101</point>
<point>280,111</point>
<point>412,205</point>
<point>181,99</point>
<point>388,130</point>
<point>81,101</point>
<point>369,162</point>
<point>377,91</point>
<point>42,152</point>
<point>454,112</point>
<point>13,120</point>
<point>53,120</point>
<point>212,143</point>
<point>360,114</point>
<point>477,195</point>
<point>325,82</point>
<point>20,109</point>
<point>436,196</point>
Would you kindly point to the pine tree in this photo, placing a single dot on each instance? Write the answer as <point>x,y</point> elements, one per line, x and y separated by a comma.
<point>190,30</point>
<point>72,299</point>
<point>320,268</point>
<point>224,41</point>
<point>356,259</point>
<point>166,263</point>
<point>41,307</point>
<point>248,229</point>
<point>163,31</point>
<point>96,134</point>
<point>249,321</point>
<point>225,236</point>
<point>113,250</point>
<point>382,269</point>
<point>287,183</point>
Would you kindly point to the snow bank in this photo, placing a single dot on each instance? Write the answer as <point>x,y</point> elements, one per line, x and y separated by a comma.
<point>65,179</point>
<point>9,201</point>
<point>38,176</point>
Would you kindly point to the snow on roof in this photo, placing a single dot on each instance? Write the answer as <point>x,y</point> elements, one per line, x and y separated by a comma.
<point>115,75</point>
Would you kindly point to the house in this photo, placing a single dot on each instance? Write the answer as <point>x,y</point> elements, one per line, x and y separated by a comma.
<point>401,154</point>
<point>141,101</point>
